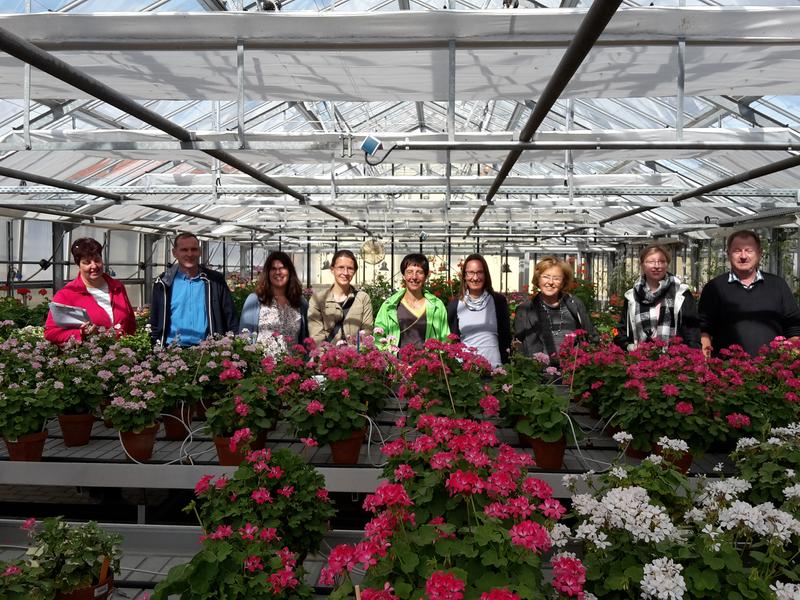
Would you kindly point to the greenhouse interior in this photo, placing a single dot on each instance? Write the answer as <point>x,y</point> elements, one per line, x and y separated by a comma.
<point>399,300</point>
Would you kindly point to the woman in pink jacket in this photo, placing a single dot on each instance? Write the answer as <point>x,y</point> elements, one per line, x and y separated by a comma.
<point>104,299</point>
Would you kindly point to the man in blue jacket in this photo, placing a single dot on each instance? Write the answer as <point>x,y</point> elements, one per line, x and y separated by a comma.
<point>190,302</point>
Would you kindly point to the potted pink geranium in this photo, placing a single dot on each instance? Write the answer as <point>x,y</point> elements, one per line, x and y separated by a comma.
<point>332,393</point>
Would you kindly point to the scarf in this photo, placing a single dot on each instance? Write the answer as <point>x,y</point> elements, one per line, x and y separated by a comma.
<point>478,303</point>
<point>644,330</point>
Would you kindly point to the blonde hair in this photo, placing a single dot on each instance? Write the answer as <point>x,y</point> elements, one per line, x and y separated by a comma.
<point>548,262</point>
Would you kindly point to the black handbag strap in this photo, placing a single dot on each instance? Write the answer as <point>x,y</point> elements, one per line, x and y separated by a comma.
<point>345,309</point>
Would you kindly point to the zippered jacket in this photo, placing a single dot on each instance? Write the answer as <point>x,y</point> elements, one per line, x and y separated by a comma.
<point>76,294</point>
<point>221,316</point>
<point>435,316</point>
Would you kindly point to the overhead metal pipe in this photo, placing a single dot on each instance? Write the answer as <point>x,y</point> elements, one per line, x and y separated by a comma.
<point>46,62</point>
<point>117,198</point>
<point>781,165</point>
<point>590,29</point>
<point>625,214</point>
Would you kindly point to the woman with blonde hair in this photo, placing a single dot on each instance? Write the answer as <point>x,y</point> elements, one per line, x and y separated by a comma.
<point>658,306</point>
<point>542,324</point>
<point>341,311</point>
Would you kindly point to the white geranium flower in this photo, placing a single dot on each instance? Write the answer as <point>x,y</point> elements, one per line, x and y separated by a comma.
<point>559,535</point>
<point>785,591</point>
<point>663,580</point>
<point>722,490</point>
<point>671,444</point>
<point>792,492</point>
<point>746,442</point>
<point>618,472</point>
<point>622,437</point>
<point>656,459</point>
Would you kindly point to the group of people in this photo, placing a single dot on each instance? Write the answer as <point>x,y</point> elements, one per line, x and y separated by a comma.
<point>745,306</point>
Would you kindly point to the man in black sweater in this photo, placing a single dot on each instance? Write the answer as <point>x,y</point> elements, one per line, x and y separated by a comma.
<point>746,306</point>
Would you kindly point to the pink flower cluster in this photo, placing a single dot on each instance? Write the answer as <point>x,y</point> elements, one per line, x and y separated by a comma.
<point>444,586</point>
<point>569,576</point>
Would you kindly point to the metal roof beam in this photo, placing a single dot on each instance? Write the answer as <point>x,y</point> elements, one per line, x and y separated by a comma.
<point>116,198</point>
<point>589,30</point>
<point>50,64</point>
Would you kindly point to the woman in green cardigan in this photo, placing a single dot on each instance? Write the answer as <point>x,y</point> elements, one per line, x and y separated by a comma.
<point>412,315</point>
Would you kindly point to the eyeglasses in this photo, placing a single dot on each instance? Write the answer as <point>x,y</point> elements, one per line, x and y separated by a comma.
<point>655,263</point>
<point>344,269</point>
<point>277,269</point>
<point>552,278</point>
<point>474,274</point>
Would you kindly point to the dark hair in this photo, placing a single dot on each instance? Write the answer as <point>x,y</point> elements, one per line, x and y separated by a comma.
<point>548,262</point>
<point>86,248</point>
<point>487,278</point>
<point>652,249</point>
<point>346,254</point>
<point>294,291</point>
<point>744,233</point>
<point>185,234</point>
<point>417,260</point>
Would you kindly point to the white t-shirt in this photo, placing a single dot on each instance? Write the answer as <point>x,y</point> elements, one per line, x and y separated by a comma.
<point>103,299</point>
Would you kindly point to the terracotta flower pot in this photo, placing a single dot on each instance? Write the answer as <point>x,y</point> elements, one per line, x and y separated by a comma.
<point>178,424</point>
<point>234,459</point>
<point>76,429</point>
<point>100,591</point>
<point>139,445</point>
<point>634,453</point>
<point>549,455</point>
<point>347,451</point>
<point>28,447</point>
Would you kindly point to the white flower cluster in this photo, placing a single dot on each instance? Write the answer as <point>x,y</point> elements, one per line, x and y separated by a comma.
<point>622,437</point>
<point>656,459</point>
<point>559,535</point>
<point>792,492</point>
<point>663,580</point>
<point>672,444</point>
<point>745,443</point>
<point>722,490</point>
<point>626,508</point>
<point>763,519</point>
<point>786,591</point>
<point>790,431</point>
<point>618,472</point>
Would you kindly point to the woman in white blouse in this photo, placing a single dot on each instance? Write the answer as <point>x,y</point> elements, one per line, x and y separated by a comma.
<point>276,313</point>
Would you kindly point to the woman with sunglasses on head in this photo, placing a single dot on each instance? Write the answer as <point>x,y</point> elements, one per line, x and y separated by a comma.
<point>480,315</point>
<point>658,306</point>
<point>412,315</point>
<point>103,298</point>
<point>276,313</point>
<point>542,324</point>
<point>342,311</point>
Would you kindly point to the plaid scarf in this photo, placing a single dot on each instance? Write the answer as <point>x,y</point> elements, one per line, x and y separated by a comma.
<point>644,330</point>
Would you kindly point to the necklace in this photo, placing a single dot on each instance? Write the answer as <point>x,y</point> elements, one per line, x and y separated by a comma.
<point>548,311</point>
<point>412,302</point>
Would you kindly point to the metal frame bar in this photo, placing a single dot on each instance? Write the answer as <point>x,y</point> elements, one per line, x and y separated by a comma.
<point>116,198</point>
<point>592,25</point>
<point>46,62</point>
